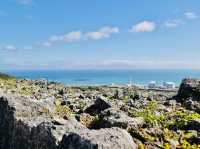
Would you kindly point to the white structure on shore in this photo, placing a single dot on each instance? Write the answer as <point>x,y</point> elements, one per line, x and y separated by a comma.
<point>165,85</point>
<point>152,84</point>
<point>130,83</point>
<point>169,85</point>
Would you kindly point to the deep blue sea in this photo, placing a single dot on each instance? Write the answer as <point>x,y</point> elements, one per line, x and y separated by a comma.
<point>107,77</point>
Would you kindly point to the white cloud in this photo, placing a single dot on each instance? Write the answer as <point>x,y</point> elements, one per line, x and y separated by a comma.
<point>69,37</point>
<point>55,38</point>
<point>72,36</point>
<point>190,15</point>
<point>104,32</point>
<point>173,23</point>
<point>9,47</point>
<point>46,44</point>
<point>145,26</point>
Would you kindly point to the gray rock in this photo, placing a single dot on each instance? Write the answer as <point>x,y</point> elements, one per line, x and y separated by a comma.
<point>139,103</point>
<point>118,94</point>
<point>189,88</point>
<point>19,135</point>
<point>192,105</point>
<point>115,138</point>
<point>117,118</point>
<point>189,94</point>
<point>171,103</point>
<point>62,126</point>
<point>99,105</point>
<point>24,126</point>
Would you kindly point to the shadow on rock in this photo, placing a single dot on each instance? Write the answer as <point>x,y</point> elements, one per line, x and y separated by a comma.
<point>14,134</point>
<point>74,141</point>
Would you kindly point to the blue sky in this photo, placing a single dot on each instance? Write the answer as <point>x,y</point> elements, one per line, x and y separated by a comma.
<point>73,34</point>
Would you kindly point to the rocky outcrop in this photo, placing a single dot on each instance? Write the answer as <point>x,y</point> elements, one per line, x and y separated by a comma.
<point>23,125</point>
<point>103,139</point>
<point>99,105</point>
<point>189,94</point>
<point>117,118</point>
<point>19,135</point>
<point>189,88</point>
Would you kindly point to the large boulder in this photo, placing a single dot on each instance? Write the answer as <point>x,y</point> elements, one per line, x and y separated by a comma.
<point>23,125</point>
<point>14,133</point>
<point>99,105</point>
<point>189,88</point>
<point>192,105</point>
<point>115,138</point>
<point>116,118</point>
<point>139,103</point>
<point>189,94</point>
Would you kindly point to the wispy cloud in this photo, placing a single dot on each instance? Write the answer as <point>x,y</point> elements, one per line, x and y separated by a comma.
<point>46,44</point>
<point>69,37</point>
<point>138,64</point>
<point>145,26</point>
<point>8,47</point>
<point>65,38</point>
<point>104,32</point>
<point>173,23</point>
<point>74,36</point>
<point>190,15</point>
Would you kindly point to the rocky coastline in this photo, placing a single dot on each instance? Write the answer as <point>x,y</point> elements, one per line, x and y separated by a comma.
<point>37,114</point>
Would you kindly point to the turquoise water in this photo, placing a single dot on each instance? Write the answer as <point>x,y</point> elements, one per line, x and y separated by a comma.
<point>107,77</point>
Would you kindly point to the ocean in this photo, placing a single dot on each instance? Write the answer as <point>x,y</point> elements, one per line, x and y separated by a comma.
<point>107,77</point>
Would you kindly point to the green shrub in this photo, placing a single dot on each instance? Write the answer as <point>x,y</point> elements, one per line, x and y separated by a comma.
<point>5,76</point>
<point>82,105</point>
<point>182,118</point>
<point>149,114</point>
<point>62,111</point>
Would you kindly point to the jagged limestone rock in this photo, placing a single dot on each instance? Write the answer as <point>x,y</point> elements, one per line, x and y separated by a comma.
<point>189,88</point>
<point>108,138</point>
<point>99,105</point>
<point>24,126</point>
